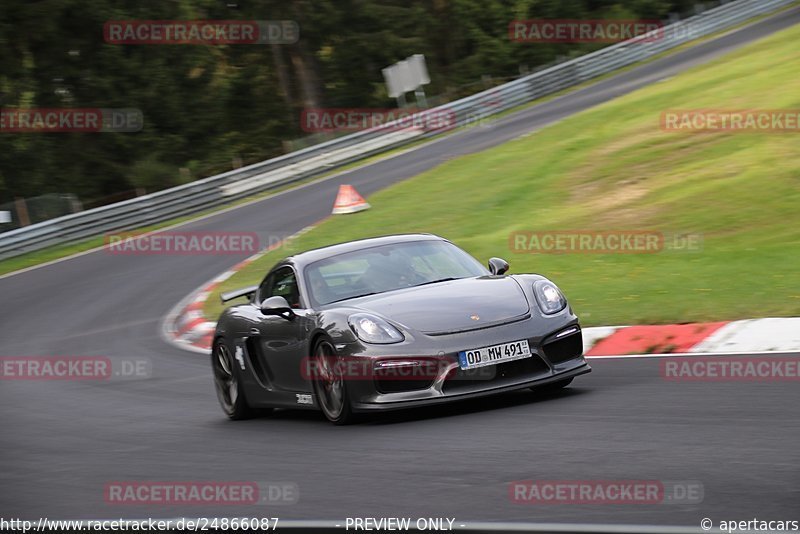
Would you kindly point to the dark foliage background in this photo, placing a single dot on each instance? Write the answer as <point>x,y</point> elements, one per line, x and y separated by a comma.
<point>206,107</point>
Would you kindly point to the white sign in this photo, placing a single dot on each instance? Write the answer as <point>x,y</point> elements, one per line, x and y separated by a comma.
<point>393,85</point>
<point>407,75</point>
<point>416,64</point>
<point>5,217</point>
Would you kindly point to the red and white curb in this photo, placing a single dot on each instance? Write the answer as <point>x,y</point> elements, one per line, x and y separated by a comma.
<point>780,334</point>
<point>185,325</point>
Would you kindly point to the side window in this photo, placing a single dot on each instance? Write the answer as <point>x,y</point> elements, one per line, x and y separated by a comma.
<point>281,283</point>
<point>263,289</point>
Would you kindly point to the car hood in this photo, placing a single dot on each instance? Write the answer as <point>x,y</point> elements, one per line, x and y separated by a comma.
<point>454,306</point>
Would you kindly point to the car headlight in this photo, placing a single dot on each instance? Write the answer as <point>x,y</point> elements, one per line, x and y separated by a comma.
<point>549,297</point>
<point>372,329</point>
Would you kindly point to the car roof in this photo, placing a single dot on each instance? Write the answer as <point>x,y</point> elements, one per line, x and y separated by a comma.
<point>310,256</point>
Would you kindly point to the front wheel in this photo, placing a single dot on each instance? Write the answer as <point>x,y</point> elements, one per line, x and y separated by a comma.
<point>229,390</point>
<point>329,385</point>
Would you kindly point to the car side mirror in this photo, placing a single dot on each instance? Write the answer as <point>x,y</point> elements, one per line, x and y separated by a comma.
<point>277,305</point>
<point>498,266</point>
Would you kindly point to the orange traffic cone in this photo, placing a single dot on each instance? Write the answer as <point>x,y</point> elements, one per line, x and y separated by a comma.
<point>348,201</point>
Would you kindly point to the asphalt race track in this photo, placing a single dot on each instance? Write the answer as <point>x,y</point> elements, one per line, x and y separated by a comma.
<point>62,442</point>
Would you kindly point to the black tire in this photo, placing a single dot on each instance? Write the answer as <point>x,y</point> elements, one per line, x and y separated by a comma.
<point>329,385</point>
<point>229,389</point>
<point>554,386</point>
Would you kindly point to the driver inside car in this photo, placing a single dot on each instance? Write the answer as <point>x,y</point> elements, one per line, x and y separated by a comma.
<point>386,273</point>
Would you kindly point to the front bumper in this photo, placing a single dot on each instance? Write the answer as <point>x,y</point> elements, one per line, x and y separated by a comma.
<point>557,354</point>
<point>386,403</point>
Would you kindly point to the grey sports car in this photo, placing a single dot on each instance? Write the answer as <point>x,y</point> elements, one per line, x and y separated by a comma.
<point>390,322</point>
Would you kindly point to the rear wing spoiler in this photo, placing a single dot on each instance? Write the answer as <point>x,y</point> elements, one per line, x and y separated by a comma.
<point>236,293</point>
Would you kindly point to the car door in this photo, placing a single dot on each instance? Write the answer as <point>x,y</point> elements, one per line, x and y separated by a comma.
<point>282,343</point>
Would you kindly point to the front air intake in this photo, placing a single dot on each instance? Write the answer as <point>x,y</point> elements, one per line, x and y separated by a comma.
<point>564,346</point>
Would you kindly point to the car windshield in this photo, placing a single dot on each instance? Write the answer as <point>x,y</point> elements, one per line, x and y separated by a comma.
<point>386,268</point>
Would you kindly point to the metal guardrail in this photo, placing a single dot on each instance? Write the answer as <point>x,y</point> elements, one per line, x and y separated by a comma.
<point>223,188</point>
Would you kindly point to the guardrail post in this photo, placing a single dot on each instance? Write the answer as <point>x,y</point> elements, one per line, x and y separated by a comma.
<point>22,211</point>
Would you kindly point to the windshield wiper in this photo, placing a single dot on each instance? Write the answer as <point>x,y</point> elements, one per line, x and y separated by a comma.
<point>437,281</point>
<point>354,297</point>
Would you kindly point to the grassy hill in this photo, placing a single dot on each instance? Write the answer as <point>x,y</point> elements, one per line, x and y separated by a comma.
<point>614,168</point>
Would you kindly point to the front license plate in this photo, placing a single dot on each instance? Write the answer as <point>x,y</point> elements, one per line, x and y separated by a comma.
<point>506,352</point>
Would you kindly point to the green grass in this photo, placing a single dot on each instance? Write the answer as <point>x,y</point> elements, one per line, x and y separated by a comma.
<point>612,168</point>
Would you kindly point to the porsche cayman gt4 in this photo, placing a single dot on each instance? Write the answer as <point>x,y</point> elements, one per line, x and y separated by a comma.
<point>390,322</point>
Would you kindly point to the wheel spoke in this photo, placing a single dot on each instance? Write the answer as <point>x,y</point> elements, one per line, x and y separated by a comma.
<point>222,356</point>
<point>233,392</point>
<point>224,379</point>
<point>330,386</point>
